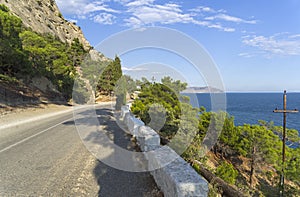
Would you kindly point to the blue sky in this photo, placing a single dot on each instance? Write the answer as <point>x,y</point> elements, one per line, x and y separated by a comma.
<point>255,44</point>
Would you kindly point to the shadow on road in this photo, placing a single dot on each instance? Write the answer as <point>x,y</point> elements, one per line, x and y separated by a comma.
<point>114,182</point>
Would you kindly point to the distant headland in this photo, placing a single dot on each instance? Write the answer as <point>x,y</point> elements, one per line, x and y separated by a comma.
<point>206,89</point>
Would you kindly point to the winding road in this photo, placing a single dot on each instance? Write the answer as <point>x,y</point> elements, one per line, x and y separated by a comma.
<point>46,157</point>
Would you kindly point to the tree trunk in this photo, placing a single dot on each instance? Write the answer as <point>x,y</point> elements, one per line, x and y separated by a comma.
<point>227,189</point>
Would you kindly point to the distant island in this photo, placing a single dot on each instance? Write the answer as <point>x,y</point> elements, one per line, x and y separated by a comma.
<point>206,89</point>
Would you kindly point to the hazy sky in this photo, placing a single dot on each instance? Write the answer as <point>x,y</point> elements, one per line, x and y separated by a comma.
<point>254,44</point>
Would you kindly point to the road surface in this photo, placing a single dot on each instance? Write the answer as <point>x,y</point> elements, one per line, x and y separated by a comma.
<point>46,157</point>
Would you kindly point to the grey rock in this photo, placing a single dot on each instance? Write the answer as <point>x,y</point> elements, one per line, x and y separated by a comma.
<point>44,17</point>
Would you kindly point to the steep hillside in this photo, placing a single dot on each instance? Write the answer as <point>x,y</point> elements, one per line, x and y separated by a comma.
<point>44,17</point>
<point>41,53</point>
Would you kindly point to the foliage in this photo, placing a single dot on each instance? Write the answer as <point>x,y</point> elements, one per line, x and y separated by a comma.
<point>230,134</point>
<point>12,57</point>
<point>292,169</point>
<point>213,191</point>
<point>257,147</point>
<point>109,77</point>
<point>53,59</point>
<point>124,85</point>
<point>260,143</point>
<point>177,86</point>
<point>91,70</point>
<point>157,93</point>
<point>4,8</point>
<point>120,91</point>
<point>187,128</point>
<point>143,81</point>
<point>227,172</point>
<point>25,54</point>
<point>131,85</point>
<point>80,92</point>
<point>8,79</point>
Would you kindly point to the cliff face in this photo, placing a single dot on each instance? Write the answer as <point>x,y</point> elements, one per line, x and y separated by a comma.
<point>43,16</point>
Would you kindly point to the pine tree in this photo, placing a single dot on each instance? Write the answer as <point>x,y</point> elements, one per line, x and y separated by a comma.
<point>12,58</point>
<point>109,77</point>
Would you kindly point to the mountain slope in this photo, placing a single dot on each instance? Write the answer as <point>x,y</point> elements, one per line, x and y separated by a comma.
<point>42,53</point>
<point>44,17</point>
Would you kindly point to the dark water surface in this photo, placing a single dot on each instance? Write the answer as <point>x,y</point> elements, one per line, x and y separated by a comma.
<point>250,107</point>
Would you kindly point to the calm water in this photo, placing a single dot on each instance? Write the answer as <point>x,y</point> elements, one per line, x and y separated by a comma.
<point>251,107</point>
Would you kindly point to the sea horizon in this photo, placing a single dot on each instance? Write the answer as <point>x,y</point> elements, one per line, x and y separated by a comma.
<point>250,107</point>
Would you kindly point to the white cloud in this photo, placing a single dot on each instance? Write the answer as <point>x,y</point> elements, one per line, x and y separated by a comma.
<point>295,36</point>
<point>247,55</point>
<point>145,12</point>
<point>83,7</point>
<point>97,6</point>
<point>278,44</point>
<point>214,26</point>
<point>105,18</point>
<point>244,55</point>
<point>72,20</point>
<point>141,13</point>
<point>228,29</point>
<point>133,69</point>
<point>229,18</point>
<point>139,3</point>
<point>121,1</point>
<point>203,9</point>
<point>133,22</point>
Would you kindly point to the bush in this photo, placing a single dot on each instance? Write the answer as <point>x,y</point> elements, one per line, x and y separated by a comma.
<point>227,172</point>
<point>8,79</point>
<point>4,8</point>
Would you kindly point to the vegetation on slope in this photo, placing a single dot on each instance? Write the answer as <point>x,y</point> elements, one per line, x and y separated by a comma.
<point>109,77</point>
<point>247,156</point>
<point>26,55</point>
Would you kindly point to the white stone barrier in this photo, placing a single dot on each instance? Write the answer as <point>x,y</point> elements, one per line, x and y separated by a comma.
<point>126,118</point>
<point>147,139</point>
<point>124,111</point>
<point>134,124</point>
<point>176,178</point>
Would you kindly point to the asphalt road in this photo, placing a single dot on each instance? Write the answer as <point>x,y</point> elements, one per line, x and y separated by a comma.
<point>47,158</point>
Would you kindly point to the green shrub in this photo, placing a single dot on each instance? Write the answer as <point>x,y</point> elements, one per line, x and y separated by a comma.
<point>4,8</point>
<point>227,172</point>
<point>8,79</point>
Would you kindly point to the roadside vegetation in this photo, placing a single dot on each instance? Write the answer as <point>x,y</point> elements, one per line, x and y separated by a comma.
<point>247,158</point>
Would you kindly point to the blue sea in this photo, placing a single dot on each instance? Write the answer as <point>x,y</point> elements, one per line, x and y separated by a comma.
<point>248,108</point>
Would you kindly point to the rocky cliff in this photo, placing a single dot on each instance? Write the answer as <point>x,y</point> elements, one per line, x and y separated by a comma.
<point>43,16</point>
